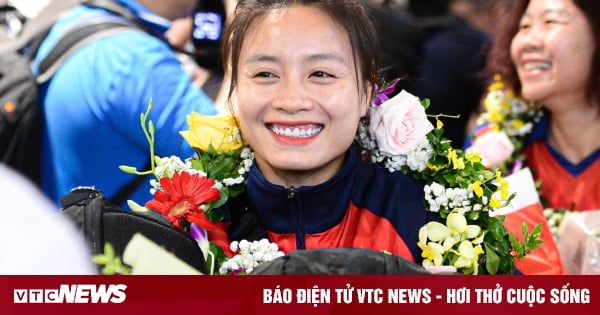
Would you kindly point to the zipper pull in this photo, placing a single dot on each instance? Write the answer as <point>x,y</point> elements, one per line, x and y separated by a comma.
<point>291,193</point>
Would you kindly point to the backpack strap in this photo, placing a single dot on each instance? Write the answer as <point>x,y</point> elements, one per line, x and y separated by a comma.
<point>39,25</point>
<point>97,28</point>
<point>70,43</point>
<point>118,9</point>
<point>74,40</point>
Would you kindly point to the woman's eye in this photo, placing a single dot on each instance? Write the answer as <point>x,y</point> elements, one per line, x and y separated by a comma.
<point>524,26</point>
<point>321,74</point>
<point>264,74</point>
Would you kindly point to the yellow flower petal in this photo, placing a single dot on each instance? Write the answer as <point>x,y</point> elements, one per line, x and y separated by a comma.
<point>466,250</point>
<point>472,231</point>
<point>434,252</point>
<point>457,222</point>
<point>437,232</point>
<point>495,203</point>
<point>477,189</point>
<point>220,132</point>
<point>449,242</point>
<point>462,262</point>
<point>422,243</point>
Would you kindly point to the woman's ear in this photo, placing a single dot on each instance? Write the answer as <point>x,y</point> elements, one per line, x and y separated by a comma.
<point>368,95</point>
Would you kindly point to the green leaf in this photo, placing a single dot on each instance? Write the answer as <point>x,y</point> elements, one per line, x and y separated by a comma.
<point>108,270</point>
<point>492,261</point>
<point>109,250</point>
<point>100,259</point>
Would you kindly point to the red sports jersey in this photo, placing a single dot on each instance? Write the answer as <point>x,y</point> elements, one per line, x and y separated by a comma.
<point>560,187</point>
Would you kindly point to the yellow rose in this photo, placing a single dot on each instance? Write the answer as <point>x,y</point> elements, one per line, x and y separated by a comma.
<point>220,131</point>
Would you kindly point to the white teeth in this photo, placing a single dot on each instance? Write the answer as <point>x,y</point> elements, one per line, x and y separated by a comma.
<point>296,132</point>
<point>536,65</point>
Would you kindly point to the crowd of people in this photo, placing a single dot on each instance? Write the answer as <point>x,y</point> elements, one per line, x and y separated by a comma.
<point>314,67</point>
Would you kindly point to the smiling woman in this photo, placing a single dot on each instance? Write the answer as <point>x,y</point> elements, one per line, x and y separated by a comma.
<point>302,80</point>
<point>554,61</point>
<point>323,159</point>
<point>549,54</point>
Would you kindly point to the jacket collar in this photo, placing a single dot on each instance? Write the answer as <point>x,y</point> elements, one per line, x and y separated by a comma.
<point>312,209</point>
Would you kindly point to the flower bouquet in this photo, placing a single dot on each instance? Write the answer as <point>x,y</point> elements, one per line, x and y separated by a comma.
<point>188,192</point>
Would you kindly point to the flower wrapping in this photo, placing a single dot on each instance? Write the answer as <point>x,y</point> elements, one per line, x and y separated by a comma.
<point>580,246</point>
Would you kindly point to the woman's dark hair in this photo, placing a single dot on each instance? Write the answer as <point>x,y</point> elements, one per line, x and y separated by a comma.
<point>350,14</point>
<point>499,60</point>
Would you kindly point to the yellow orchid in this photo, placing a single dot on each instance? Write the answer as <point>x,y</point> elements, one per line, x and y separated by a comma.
<point>449,242</point>
<point>457,222</point>
<point>473,157</point>
<point>437,239</point>
<point>477,189</point>
<point>468,256</point>
<point>495,203</point>
<point>457,163</point>
<point>432,253</point>
<point>434,167</point>
<point>517,124</point>
<point>472,231</point>
<point>503,185</point>
<point>498,84</point>
<point>437,232</point>
<point>220,132</point>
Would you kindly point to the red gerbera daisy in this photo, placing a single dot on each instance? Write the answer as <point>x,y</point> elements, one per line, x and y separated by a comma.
<point>182,196</point>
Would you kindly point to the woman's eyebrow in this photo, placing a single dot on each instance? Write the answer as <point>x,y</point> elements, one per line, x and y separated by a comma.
<point>326,56</point>
<point>313,57</point>
<point>262,58</point>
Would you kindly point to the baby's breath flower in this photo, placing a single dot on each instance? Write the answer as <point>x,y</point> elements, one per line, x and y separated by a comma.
<point>249,255</point>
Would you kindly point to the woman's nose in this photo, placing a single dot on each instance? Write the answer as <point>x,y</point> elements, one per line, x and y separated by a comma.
<point>292,96</point>
<point>533,39</point>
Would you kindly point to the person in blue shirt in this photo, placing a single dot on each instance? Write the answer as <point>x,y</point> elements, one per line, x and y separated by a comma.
<point>93,102</point>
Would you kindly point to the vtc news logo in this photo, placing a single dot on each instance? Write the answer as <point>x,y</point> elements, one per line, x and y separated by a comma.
<point>73,293</point>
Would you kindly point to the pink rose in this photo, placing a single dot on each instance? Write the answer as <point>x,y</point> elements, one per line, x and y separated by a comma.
<point>399,124</point>
<point>494,147</point>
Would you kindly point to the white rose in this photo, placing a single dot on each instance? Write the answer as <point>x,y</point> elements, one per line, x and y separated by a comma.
<point>399,124</point>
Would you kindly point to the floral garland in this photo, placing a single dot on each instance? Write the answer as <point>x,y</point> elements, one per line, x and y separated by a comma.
<point>501,133</point>
<point>395,134</point>
<point>503,126</point>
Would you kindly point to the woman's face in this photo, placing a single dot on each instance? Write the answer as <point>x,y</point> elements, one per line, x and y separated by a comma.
<point>298,96</point>
<point>553,51</point>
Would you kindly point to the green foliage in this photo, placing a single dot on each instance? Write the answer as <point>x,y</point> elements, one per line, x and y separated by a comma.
<point>112,264</point>
<point>215,258</point>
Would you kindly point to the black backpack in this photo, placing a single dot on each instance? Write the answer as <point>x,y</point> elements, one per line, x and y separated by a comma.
<point>340,261</point>
<point>101,221</point>
<point>20,115</point>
